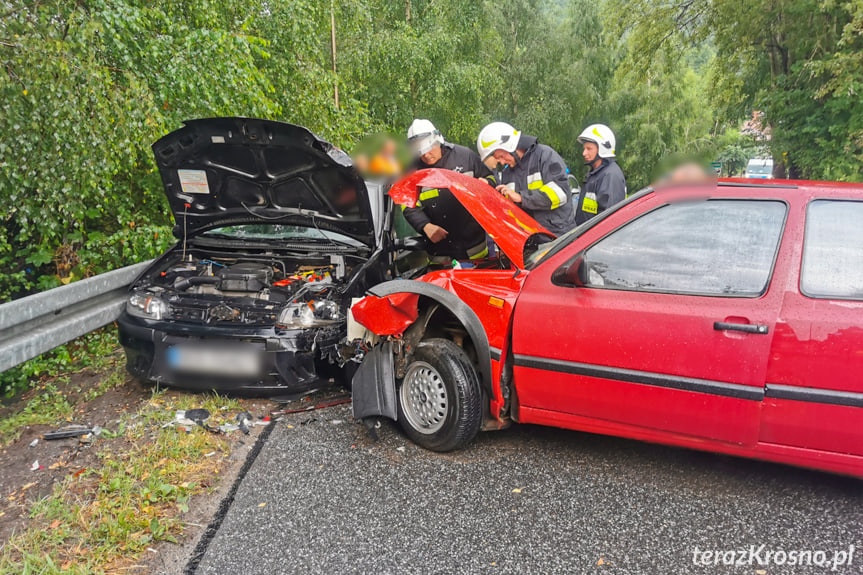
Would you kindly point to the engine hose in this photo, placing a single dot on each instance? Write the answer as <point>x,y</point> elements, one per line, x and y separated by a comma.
<point>184,284</point>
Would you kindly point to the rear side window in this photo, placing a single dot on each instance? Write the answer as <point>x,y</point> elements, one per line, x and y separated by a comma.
<point>711,248</point>
<point>833,250</point>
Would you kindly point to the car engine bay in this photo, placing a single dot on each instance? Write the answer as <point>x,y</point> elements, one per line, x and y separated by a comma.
<point>248,288</point>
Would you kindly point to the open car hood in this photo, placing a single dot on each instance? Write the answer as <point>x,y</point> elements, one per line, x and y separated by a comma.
<point>229,171</point>
<point>508,225</point>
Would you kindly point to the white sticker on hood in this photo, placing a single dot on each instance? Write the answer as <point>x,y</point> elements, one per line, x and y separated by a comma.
<point>194,181</point>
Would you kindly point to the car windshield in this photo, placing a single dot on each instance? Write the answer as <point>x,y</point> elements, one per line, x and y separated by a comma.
<point>280,232</point>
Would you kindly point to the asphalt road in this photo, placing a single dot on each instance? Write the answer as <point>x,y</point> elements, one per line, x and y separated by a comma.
<point>322,497</point>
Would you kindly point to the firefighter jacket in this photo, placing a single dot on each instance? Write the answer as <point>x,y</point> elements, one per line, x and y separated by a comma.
<point>604,187</point>
<point>466,238</point>
<point>540,177</point>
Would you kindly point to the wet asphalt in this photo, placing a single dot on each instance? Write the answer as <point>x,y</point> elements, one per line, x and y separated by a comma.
<point>323,497</point>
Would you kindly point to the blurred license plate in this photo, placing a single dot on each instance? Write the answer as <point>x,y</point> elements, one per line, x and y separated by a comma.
<point>215,361</point>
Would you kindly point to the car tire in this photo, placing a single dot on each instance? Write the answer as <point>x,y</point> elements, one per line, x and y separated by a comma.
<point>439,399</point>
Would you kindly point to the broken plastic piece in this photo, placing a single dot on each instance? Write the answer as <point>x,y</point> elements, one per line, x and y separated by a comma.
<point>199,416</point>
<point>66,432</point>
<point>243,421</point>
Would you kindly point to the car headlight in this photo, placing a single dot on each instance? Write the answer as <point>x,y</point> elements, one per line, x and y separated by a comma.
<point>146,306</point>
<point>309,314</point>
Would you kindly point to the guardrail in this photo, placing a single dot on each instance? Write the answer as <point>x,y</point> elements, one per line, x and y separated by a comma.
<point>38,323</point>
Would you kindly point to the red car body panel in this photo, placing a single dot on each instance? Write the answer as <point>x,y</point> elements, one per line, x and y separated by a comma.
<point>389,315</point>
<point>653,367</point>
<point>507,224</point>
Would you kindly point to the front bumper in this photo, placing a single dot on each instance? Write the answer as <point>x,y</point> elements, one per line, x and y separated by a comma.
<point>285,360</point>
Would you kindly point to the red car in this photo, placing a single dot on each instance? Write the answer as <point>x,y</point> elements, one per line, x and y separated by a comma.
<point>725,317</point>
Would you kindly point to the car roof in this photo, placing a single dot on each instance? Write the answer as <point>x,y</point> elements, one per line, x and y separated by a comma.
<point>794,188</point>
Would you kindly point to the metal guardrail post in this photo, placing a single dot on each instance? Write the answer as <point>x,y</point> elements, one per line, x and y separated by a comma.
<point>38,323</point>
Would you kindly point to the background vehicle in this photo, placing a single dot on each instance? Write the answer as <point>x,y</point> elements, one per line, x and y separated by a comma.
<point>277,232</point>
<point>759,168</point>
<point>718,317</point>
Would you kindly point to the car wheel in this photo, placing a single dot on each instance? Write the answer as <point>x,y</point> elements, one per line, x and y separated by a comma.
<point>439,397</point>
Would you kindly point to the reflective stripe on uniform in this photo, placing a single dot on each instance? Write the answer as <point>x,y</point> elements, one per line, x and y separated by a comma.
<point>429,194</point>
<point>533,178</point>
<point>589,205</point>
<point>478,251</point>
<point>554,192</point>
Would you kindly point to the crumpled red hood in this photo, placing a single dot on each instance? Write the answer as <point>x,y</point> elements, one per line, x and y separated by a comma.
<point>507,224</point>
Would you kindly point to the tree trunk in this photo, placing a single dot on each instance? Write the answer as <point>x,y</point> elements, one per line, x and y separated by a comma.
<point>333,44</point>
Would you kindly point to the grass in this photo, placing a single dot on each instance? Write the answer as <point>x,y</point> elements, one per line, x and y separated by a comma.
<point>102,520</point>
<point>49,405</point>
<point>51,402</point>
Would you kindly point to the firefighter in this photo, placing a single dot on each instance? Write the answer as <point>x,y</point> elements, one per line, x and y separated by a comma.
<point>438,215</point>
<point>605,184</point>
<point>534,175</point>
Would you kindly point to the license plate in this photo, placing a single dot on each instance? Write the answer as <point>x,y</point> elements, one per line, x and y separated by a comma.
<point>227,361</point>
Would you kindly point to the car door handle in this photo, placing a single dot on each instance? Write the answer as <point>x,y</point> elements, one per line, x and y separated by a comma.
<point>744,327</point>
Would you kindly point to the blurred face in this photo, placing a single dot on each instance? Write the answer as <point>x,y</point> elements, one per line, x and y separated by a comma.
<point>504,157</point>
<point>590,152</point>
<point>431,157</point>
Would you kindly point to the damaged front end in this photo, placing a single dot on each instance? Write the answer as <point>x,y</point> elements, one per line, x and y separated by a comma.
<point>393,316</point>
<point>248,321</point>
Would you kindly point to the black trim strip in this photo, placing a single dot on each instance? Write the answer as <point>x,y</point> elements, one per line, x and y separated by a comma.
<point>724,389</point>
<point>814,395</point>
<point>494,352</point>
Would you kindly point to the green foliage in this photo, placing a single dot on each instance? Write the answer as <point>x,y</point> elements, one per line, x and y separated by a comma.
<point>734,151</point>
<point>87,88</point>
<point>797,61</point>
<point>666,121</point>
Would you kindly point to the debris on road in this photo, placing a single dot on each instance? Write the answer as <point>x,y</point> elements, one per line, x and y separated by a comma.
<point>36,466</point>
<point>66,432</point>
<point>34,443</point>
<point>243,421</point>
<point>339,400</point>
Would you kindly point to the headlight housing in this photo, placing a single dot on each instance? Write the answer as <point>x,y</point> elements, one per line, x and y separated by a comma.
<point>146,306</point>
<point>309,314</point>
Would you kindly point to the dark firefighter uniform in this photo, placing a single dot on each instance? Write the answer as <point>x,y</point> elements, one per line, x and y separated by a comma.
<point>465,237</point>
<point>604,187</point>
<point>540,177</point>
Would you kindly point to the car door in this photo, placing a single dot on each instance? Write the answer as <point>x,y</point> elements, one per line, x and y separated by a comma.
<point>659,320</point>
<point>814,385</point>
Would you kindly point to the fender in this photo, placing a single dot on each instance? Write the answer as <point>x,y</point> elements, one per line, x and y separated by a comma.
<point>457,307</point>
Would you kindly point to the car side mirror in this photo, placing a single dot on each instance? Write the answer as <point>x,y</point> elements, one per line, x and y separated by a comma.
<point>573,273</point>
<point>411,244</point>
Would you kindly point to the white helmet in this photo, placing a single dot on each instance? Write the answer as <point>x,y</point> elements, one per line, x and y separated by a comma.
<point>497,136</point>
<point>602,136</point>
<point>423,136</point>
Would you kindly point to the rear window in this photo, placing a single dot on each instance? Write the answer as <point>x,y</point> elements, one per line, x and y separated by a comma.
<point>833,250</point>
